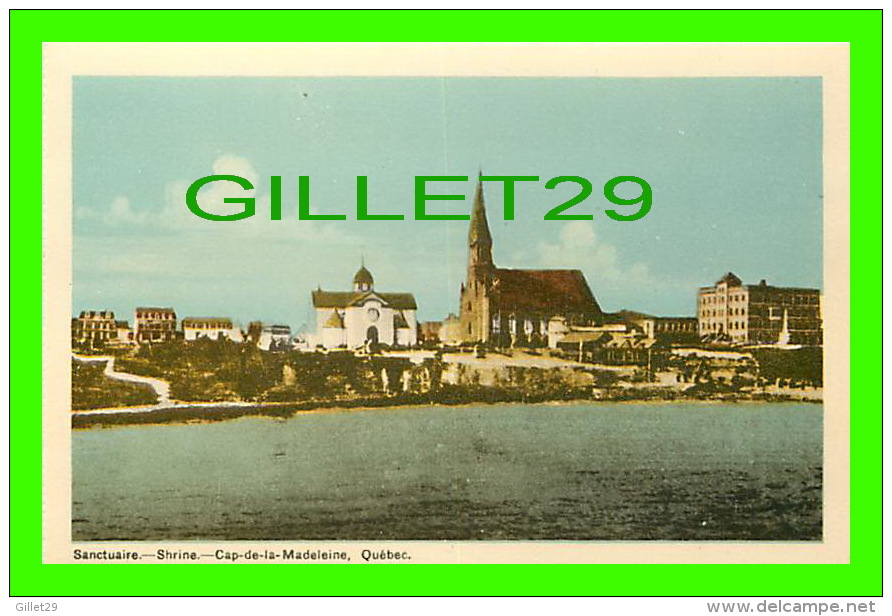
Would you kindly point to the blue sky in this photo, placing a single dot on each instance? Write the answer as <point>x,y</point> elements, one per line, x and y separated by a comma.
<point>735,166</point>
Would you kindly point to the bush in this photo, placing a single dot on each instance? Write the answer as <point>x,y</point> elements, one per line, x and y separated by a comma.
<point>805,364</point>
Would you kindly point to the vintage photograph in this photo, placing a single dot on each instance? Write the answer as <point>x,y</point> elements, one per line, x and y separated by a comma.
<point>447,308</point>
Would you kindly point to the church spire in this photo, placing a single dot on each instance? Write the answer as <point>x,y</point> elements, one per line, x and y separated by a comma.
<point>480,263</point>
<point>479,232</point>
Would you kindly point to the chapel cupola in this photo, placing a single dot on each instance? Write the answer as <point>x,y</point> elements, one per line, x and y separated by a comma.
<point>363,280</point>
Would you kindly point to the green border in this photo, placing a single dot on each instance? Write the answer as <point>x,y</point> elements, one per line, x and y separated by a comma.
<point>863,29</point>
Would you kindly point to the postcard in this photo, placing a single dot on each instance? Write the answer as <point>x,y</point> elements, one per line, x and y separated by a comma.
<point>446,303</point>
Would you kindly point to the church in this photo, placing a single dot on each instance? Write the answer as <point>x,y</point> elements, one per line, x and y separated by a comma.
<point>351,319</point>
<point>513,307</point>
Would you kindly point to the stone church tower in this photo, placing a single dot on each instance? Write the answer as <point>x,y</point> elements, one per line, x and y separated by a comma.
<point>475,293</point>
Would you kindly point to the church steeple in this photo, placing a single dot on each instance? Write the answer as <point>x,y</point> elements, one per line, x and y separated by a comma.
<point>480,264</point>
<point>479,231</point>
<point>475,295</point>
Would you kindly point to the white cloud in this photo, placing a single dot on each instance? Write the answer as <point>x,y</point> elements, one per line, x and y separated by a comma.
<point>580,247</point>
<point>174,217</point>
<point>211,196</point>
<point>120,212</point>
<point>230,164</point>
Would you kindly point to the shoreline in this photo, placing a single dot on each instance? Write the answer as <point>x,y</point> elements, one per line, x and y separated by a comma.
<point>208,412</point>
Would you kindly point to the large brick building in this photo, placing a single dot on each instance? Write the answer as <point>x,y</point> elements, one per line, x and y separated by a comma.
<point>508,307</point>
<point>759,314</point>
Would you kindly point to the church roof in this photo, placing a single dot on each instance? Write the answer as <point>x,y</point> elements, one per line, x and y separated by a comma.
<point>543,291</point>
<point>399,321</point>
<point>479,231</point>
<point>343,299</point>
<point>335,320</point>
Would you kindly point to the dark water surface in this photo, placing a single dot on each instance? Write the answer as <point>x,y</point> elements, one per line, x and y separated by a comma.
<point>564,471</point>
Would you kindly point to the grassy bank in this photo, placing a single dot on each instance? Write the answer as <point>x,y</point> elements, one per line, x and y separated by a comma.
<point>210,374</point>
<point>448,396</point>
<point>91,389</point>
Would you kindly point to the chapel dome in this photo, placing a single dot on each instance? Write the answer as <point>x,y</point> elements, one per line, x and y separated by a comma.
<point>363,276</point>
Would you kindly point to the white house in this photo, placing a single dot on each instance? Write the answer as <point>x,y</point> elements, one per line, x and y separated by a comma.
<point>350,319</point>
<point>210,327</point>
<point>275,337</point>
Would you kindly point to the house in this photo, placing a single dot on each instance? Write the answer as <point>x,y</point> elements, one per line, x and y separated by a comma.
<point>214,328</point>
<point>672,330</point>
<point>155,324</point>
<point>429,332</point>
<point>123,333</point>
<point>612,346</point>
<point>93,328</point>
<point>559,329</point>
<point>450,332</point>
<point>275,338</point>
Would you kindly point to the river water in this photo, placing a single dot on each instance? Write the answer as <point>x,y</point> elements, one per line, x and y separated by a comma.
<point>564,471</point>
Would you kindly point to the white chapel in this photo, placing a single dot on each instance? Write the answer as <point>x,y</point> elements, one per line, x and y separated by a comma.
<point>351,319</point>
